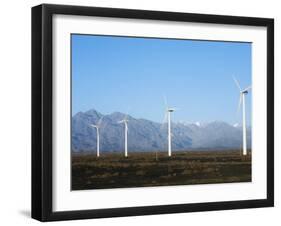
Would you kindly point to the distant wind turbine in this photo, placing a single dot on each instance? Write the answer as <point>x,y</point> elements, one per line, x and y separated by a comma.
<point>168,111</point>
<point>242,94</point>
<point>97,127</point>
<point>125,121</point>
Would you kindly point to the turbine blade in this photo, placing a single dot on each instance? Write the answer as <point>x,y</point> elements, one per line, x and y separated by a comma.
<point>165,117</point>
<point>100,120</point>
<point>248,88</point>
<point>164,120</point>
<point>127,113</point>
<point>237,83</point>
<point>165,101</point>
<point>239,103</point>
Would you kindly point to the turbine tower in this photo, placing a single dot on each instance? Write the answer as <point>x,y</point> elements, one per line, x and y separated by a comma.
<point>97,127</point>
<point>242,94</point>
<point>125,121</point>
<point>168,111</point>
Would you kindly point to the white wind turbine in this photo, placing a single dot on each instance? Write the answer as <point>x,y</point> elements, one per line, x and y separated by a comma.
<point>243,92</point>
<point>168,111</point>
<point>125,121</point>
<point>97,127</point>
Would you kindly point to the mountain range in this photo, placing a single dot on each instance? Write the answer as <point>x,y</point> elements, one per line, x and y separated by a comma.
<point>146,135</point>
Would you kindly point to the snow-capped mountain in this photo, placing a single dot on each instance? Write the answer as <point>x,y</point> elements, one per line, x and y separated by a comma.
<point>146,135</point>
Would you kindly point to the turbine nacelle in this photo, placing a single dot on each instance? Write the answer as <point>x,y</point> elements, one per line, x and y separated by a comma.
<point>123,121</point>
<point>95,126</point>
<point>242,91</point>
<point>246,91</point>
<point>171,109</point>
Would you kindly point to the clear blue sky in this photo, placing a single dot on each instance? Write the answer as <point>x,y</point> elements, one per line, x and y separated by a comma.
<point>119,73</point>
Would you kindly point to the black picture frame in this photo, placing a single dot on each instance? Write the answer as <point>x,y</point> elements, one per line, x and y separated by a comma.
<point>42,106</point>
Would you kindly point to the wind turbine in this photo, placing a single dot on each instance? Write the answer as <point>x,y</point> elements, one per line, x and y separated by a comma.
<point>97,127</point>
<point>242,94</point>
<point>125,121</point>
<point>168,111</point>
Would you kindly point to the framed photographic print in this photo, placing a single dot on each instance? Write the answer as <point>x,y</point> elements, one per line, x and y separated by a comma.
<point>145,112</point>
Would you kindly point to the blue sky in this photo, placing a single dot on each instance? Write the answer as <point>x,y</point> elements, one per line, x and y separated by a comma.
<point>119,73</point>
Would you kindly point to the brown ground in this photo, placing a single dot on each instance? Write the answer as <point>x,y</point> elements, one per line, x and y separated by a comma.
<point>113,170</point>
